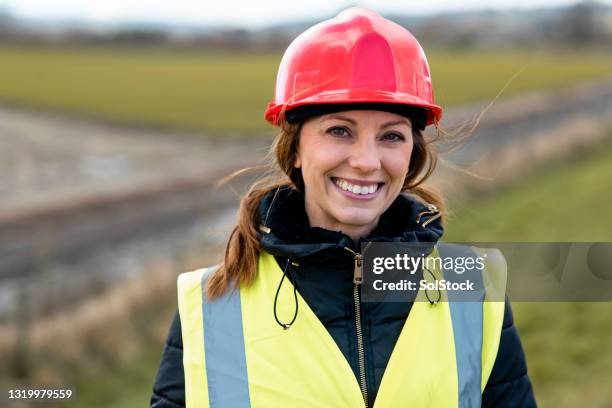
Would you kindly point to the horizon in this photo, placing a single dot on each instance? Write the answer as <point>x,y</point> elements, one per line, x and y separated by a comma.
<point>252,16</point>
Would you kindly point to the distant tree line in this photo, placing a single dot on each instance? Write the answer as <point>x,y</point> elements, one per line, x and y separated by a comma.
<point>584,24</point>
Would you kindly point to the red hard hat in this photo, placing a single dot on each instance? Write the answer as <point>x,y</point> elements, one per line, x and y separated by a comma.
<point>356,57</point>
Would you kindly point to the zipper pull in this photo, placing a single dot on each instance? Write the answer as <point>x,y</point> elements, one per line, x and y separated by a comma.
<point>358,272</point>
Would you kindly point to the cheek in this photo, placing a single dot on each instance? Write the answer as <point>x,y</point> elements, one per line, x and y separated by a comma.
<point>321,160</point>
<point>397,163</point>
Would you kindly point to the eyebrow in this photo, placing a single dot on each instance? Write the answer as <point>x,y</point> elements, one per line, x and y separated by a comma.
<point>353,122</point>
<point>397,122</point>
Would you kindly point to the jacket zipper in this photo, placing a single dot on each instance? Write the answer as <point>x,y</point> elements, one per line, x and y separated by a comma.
<point>357,280</point>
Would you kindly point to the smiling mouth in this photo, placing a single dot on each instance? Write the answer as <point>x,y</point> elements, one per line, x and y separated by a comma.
<point>361,189</point>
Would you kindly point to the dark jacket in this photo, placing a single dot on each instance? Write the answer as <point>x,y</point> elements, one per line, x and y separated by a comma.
<point>324,278</point>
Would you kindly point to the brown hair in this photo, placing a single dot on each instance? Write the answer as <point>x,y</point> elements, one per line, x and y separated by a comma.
<point>243,246</point>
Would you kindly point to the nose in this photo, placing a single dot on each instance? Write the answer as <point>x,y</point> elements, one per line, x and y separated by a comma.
<point>364,155</point>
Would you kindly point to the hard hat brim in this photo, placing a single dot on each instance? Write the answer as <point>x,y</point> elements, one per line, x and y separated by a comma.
<point>434,112</point>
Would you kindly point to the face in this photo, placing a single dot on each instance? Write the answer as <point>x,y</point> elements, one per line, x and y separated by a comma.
<point>354,164</point>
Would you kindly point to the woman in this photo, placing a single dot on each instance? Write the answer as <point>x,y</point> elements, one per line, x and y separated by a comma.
<point>353,95</point>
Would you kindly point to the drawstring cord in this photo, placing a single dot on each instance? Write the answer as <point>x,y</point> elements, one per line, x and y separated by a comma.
<point>266,230</point>
<point>263,226</point>
<point>432,302</point>
<point>433,213</point>
<point>286,325</point>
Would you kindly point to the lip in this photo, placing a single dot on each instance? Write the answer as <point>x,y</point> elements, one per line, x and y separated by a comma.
<point>359,182</point>
<point>362,197</point>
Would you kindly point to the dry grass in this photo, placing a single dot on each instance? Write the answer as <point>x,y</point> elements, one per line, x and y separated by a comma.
<point>111,327</point>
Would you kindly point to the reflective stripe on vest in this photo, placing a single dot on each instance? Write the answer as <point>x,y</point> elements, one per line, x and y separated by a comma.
<point>467,328</point>
<point>224,345</point>
<point>236,355</point>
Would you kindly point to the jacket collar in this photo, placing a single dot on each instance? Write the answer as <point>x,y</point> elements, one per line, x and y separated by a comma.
<point>290,235</point>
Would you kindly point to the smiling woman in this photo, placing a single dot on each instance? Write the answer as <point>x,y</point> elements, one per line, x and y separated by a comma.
<point>353,95</point>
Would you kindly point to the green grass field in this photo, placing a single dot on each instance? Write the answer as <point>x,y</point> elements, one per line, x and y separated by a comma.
<point>567,344</point>
<point>222,92</point>
<point>567,200</point>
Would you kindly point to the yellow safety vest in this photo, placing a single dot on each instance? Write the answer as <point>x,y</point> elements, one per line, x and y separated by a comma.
<point>236,355</point>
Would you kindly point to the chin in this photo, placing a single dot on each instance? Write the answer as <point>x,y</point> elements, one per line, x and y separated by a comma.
<point>357,218</point>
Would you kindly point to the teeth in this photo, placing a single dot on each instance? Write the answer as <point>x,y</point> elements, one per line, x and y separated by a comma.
<point>343,184</point>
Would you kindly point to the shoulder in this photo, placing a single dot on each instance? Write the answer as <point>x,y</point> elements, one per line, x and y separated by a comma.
<point>494,273</point>
<point>196,277</point>
<point>493,257</point>
<point>488,261</point>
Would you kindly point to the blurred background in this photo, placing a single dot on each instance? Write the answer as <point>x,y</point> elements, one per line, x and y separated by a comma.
<point>117,118</point>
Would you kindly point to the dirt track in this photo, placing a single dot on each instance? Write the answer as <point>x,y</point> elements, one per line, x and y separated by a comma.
<point>45,158</point>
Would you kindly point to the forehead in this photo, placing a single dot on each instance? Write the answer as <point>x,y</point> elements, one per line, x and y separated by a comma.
<point>364,117</point>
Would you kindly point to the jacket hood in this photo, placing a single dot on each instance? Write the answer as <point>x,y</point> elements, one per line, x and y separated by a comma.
<point>291,236</point>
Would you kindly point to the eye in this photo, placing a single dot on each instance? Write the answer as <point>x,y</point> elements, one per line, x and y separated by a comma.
<point>393,137</point>
<point>338,131</point>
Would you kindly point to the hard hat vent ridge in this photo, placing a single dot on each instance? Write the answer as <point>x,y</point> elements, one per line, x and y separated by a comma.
<point>372,65</point>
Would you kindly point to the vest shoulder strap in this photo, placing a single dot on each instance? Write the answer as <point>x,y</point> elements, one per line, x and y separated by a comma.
<point>190,287</point>
<point>489,305</point>
<point>495,278</point>
<point>213,344</point>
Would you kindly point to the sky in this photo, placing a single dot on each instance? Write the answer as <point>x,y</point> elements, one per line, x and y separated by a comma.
<point>247,13</point>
